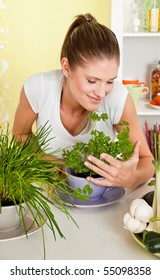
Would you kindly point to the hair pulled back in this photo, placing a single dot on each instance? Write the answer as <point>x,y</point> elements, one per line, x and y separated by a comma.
<point>87,39</point>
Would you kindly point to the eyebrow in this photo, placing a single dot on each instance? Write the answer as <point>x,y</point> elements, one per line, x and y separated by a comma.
<point>100,79</point>
<point>113,78</point>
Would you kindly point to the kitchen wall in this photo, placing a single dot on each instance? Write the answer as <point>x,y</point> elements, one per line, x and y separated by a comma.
<point>36,29</point>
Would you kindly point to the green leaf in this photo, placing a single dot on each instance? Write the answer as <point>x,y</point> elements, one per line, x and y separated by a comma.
<point>121,149</point>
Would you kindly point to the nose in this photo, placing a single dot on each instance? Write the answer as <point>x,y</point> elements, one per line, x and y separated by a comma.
<point>100,91</point>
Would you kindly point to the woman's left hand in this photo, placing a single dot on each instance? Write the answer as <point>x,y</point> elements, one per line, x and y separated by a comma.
<point>116,173</point>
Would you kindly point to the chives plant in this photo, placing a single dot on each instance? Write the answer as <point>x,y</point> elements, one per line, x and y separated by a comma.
<point>25,177</point>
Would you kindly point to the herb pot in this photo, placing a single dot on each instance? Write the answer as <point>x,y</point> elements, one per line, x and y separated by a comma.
<point>10,217</point>
<point>79,182</point>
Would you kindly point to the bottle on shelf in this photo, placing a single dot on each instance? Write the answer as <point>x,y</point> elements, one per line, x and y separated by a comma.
<point>155,82</point>
<point>145,14</point>
<point>154,16</point>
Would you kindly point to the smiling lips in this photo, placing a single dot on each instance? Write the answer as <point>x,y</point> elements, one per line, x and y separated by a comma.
<point>95,100</point>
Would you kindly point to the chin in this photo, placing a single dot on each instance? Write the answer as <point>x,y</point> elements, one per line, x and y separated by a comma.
<point>92,108</point>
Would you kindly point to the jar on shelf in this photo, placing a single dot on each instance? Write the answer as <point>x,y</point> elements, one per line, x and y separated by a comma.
<point>155,82</point>
<point>136,9</point>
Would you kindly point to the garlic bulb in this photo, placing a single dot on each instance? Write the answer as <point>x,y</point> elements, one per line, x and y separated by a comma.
<point>132,224</point>
<point>140,210</point>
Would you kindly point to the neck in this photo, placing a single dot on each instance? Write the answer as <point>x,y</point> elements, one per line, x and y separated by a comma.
<point>69,105</point>
<point>73,116</point>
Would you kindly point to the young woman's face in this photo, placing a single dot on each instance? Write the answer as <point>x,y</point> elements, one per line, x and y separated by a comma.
<point>90,84</point>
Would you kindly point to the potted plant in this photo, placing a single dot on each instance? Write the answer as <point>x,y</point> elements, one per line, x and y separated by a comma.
<point>30,183</point>
<point>120,148</point>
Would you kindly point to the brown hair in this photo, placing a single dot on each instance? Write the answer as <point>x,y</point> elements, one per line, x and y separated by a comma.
<point>88,39</point>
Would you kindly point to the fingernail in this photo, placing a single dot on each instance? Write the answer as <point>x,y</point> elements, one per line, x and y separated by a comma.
<point>101,156</point>
<point>89,157</point>
<point>86,163</point>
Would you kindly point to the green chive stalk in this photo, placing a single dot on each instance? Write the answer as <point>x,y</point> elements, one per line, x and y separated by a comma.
<point>155,220</point>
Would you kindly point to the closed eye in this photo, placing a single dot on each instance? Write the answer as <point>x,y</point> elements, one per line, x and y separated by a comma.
<point>110,82</point>
<point>91,82</point>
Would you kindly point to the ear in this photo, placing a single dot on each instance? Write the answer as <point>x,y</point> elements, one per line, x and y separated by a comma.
<point>65,66</point>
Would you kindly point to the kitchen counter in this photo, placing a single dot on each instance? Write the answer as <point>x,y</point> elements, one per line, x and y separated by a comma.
<point>100,236</point>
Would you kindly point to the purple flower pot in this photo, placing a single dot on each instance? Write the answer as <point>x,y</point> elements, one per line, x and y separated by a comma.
<point>79,182</point>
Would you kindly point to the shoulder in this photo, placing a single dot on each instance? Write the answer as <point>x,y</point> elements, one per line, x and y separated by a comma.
<point>54,75</point>
<point>44,77</point>
<point>41,84</point>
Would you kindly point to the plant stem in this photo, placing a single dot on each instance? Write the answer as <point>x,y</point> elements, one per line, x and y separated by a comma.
<point>157,195</point>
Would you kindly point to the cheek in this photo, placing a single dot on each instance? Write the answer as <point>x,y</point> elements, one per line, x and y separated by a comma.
<point>81,86</point>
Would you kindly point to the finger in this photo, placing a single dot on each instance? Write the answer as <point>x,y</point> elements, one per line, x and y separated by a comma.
<point>135,157</point>
<point>93,162</point>
<point>100,182</point>
<point>108,158</point>
<point>98,166</point>
<point>136,150</point>
<point>111,160</point>
<point>97,169</point>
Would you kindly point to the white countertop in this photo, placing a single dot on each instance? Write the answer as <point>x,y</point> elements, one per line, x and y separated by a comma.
<point>100,236</point>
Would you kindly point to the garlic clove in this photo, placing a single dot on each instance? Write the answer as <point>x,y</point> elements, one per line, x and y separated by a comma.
<point>132,224</point>
<point>141,210</point>
<point>134,205</point>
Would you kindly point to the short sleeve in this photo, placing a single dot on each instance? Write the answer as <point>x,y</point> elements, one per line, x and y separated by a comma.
<point>115,101</point>
<point>33,87</point>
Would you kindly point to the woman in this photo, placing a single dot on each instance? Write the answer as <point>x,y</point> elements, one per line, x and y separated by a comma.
<point>87,82</point>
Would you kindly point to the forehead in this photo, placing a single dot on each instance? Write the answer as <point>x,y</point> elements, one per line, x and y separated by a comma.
<point>104,68</point>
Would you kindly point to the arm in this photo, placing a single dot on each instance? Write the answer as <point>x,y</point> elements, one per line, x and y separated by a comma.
<point>25,117</point>
<point>136,170</point>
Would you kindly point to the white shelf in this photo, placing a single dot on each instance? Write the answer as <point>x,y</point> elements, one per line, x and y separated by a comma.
<point>141,34</point>
<point>144,109</point>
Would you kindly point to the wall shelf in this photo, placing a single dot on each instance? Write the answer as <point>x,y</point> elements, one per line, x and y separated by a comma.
<point>138,53</point>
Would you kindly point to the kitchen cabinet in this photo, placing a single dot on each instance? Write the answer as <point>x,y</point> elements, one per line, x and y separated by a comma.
<point>138,53</point>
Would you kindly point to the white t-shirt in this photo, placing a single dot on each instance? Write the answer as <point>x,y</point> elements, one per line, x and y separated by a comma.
<point>43,92</point>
